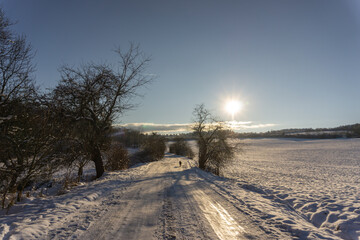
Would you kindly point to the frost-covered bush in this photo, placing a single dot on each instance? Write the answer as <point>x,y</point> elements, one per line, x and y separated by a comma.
<point>181,147</point>
<point>117,158</point>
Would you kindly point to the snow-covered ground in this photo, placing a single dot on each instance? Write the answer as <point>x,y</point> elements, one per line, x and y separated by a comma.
<point>68,215</point>
<point>319,179</point>
<point>280,189</point>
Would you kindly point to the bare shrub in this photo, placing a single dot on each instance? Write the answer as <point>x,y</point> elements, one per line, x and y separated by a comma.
<point>152,148</point>
<point>117,158</point>
<point>181,147</point>
<point>128,137</point>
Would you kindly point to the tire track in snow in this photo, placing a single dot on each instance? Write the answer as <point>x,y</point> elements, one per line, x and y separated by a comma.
<point>223,219</point>
<point>220,220</point>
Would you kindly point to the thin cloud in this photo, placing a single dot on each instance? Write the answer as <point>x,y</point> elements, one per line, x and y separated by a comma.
<point>248,125</point>
<point>268,125</point>
<point>175,128</point>
<point>159,128</point>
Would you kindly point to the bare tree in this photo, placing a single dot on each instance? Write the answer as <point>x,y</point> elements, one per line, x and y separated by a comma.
<point>15,66</point>
<point>214,149</point>
<point>92,96</point>
<point>24,122</point>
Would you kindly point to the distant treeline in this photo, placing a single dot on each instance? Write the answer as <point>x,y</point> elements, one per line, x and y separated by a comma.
<point>347,131</point>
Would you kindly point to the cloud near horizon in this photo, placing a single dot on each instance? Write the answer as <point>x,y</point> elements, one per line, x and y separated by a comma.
<point>174,128</point>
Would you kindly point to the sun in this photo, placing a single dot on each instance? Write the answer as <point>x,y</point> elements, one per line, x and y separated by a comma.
<point>233,106</point>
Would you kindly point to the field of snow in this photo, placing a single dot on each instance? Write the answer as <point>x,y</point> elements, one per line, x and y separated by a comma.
<point>277,189</point>
<point>320,179</point>
<point>159,200</point>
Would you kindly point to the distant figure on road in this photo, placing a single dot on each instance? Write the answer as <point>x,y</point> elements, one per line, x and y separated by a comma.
<point>180,163</point>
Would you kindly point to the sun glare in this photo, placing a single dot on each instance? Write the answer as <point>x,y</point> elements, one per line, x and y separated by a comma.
<point>233,107</point>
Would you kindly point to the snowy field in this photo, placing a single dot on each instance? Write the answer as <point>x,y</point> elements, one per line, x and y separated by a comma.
<point>277,189</point>
<point>320,179</point>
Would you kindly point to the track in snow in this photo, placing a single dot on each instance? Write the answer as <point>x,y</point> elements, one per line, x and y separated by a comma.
<point>171,202</point>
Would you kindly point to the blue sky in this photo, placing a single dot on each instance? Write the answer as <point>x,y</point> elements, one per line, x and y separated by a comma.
<point>292,63</point>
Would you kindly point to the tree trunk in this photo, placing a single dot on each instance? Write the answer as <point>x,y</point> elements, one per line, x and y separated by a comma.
<point>80,171</point>
<point>96,158</point>
<point>19,195</point>
<point>20,190</point>
<point>202,162</point>
<point>3,199</point>
<point>202,156</point>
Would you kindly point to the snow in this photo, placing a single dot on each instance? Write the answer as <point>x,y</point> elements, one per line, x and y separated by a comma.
<point>277,189</point>
<point>65,215</point>
<point>318,179</point>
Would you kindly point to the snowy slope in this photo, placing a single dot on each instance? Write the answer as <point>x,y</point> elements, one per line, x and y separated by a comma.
<point>159,200</point>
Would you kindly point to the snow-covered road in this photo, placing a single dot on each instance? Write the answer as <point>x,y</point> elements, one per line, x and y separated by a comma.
<point>168,202</point>
<point>159,200</point>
